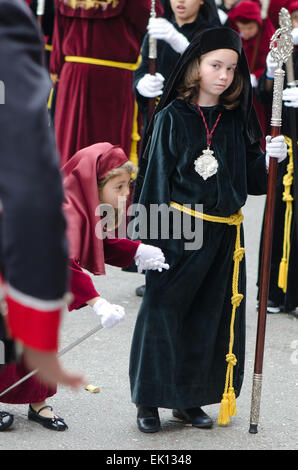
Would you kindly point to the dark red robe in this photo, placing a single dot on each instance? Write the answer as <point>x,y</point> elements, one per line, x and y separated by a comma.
<point>274,8</point>
<point>95,103</point>
<point>251,11</point>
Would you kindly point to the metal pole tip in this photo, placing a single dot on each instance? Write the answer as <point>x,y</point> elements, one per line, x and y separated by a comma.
<point>253,429</point>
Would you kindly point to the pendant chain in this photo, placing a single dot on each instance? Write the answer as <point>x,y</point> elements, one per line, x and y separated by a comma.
<point>209,134</point>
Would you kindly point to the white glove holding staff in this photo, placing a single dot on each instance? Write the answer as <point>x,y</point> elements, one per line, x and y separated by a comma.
<point>150,86</point>
<point>109,314</point>
<point>275,147</point>
<point>150,257</point>
<point>271,66</point>
<point>160,28</point>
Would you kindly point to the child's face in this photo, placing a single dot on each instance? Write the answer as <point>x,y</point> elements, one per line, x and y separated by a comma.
<point>217,69</point>
<point>115,188</point>
<point>185,11</point>
<point>248,30</point>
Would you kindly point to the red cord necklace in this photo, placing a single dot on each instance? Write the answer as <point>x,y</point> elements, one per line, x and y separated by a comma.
<point>206,164</point>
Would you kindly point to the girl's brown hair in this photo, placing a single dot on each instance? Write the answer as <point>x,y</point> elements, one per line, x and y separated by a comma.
<point>189,88</point>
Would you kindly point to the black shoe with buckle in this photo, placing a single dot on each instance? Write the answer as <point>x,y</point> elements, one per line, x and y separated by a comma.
<point>148,419</point>
<point>56,423</point>
<point>6,420</point>
<point>193,417</point>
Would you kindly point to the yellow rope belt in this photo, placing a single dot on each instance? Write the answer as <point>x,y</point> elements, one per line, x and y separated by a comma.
<point>228,402</point>
<point>288,199</point>
<point>133,157</point>
<point>105,63</point>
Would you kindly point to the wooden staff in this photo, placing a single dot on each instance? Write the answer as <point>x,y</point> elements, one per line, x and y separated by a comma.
<point>40,11</point>
<point>293,134</point>
<point>152,61</point>
<point>281,47</point>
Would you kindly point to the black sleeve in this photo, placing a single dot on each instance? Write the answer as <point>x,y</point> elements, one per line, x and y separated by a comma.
<point>33,248</point>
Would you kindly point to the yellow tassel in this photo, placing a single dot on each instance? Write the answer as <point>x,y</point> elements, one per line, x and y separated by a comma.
<point>232,402</point>
<point>224,413</point>
<point>283,274</point>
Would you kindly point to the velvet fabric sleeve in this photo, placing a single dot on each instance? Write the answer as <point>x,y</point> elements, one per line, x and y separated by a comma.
<point>256,170</point>
<point>120,251</point>
<point>57,56</point>
<point>162,160</point>
<point>138,13</point>
<point>81,287</point>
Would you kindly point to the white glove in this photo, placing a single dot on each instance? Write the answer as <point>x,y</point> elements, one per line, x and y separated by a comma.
<point>150,86</point>
<point>253,80</point>
<point>160,28</point>
<point>295,36</point>
<point>276,148</point>
<point>109,314</point>
<point>150,257</point>
<point>222,16</point>
<point>290,96</point>
<point>271,66</point>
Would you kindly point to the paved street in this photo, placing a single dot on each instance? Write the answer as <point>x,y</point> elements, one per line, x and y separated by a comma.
<point>107,420</point>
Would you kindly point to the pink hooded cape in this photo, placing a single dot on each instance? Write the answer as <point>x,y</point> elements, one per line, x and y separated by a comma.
<point>80,180</point>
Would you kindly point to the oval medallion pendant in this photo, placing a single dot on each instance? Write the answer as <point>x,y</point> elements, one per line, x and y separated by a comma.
<point>206,165</point>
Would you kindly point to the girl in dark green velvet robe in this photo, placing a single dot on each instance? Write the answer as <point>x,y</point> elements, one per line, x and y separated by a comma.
<point>182,333</point>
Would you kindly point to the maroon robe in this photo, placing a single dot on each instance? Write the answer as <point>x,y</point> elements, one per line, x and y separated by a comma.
<point>95,103</point>
<point>274,8</point>
<point>251,11</point>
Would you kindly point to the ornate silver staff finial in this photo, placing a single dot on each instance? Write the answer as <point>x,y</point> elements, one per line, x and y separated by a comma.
<point>152,41</point>
<point>281,46</point>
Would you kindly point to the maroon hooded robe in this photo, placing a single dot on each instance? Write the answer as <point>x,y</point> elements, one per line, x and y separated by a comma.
<point>86,249</point>
<point>95,103</point>
<point>244,12</point>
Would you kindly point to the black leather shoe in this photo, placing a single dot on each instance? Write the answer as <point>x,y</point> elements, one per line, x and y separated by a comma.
<point>140,291</point>
<point>148,419</point>
<point>193,417</point>
<point>56,423</point>
<point>6,420</point>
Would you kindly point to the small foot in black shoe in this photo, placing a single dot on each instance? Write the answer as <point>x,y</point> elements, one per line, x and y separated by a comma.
<point>6,420</point>
<point>56,423</point>
<point>140,291</point>
<point>193,417</point>
<point>148,419</point>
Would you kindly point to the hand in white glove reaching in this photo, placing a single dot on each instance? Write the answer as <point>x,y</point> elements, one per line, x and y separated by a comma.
<point>290,97</point>
<point>109,314</point>
<point>275,147</point>
<point>150,257</point>
<point>271,66</point>
<point>160,28</point>
<point>150,86</point>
